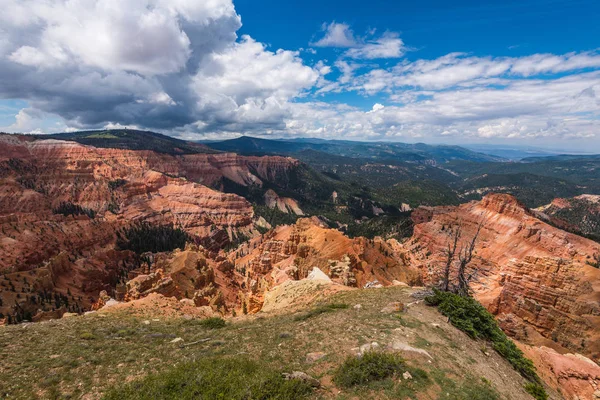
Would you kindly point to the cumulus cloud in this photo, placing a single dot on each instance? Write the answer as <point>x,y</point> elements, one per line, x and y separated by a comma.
<point>561,108</point>
<point>168,63</point>
<point>336,35</point>
<point>388,45</point>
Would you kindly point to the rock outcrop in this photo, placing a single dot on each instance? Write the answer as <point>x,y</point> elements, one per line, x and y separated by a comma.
<point>118,187</point>
<point>533,276</point>
<point>575,376</point>
<point>580,214</point>
<point>292,252</point>
<point>283,204</point>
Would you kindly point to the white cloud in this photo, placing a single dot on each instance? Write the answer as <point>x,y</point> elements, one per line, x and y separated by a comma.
<point>336,35</point>
<point>168,63</point>
<point>376,107</point>
<point>550,63</point>
<point>388,45</point>
<point>559,109</point>
<point>247,69</point>
<point>30,120</point>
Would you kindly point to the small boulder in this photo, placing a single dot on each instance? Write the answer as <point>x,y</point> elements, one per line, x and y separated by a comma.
<point>317,274</point>
<point>367,347</point>
<point>304,377</point>
<point>177,340</point>
<point>313,357</point>
<point>357,307</point>
<point>404,347</point>
<point>394,307</point>
<point>407,376</point>
<point>373,285</point>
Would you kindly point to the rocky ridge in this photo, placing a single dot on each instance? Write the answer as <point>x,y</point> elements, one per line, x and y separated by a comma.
<point>533,276</point>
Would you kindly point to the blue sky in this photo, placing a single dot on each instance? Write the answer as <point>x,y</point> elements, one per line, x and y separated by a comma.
<point>435,27</point>
<point>504,72</point>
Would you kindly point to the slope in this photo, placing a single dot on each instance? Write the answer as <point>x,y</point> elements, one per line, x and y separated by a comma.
<point>90,355</point>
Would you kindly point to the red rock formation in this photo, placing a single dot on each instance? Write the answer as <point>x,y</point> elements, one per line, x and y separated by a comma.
<point>122,187</point>
<point>283,204</point>
<point>291,252</point>
<point>576,376</point>
<point>531,274</point>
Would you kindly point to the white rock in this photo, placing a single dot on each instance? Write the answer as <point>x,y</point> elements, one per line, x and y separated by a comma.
<point>312,357</point>
<point>407,375</point>
<point>357,307</point>
<point>368,347</point>
<point>177,340</point>
<point>304,377</point>
<point>317,274</point>
<point>401,346</point>
<point>146,322</point>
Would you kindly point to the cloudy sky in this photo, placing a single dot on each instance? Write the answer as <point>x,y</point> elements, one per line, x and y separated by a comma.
<point>523,72</point>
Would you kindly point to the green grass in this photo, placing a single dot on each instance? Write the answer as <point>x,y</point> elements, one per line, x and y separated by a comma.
<point>474,390</point>
<point>212,323</point>
<point>102,135</point>
<point>536,390</point>
<point>370,367</point>
<point>408,322</point>
<point>322,309</point>
<point>214,378</point>
<point>55,359</point>
<point>87,336</point>
<point>468,315</point>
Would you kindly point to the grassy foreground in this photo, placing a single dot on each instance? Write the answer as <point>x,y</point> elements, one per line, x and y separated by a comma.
<point>120,356</point>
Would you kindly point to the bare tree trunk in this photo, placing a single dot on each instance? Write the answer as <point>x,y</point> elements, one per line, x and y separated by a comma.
<point>450,254</point>
<point>465,258</point>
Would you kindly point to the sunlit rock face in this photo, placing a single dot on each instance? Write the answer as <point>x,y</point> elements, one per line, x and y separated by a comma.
<point>535,277</point>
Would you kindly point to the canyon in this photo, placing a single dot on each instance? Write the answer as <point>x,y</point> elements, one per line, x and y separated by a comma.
<point>540,281</point>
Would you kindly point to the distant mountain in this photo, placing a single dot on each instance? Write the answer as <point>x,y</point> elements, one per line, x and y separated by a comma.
<point>379,151</point>
<point>130,139</point>
<point>514,153</point>
<point>564,157</point>
<point>533,190</point>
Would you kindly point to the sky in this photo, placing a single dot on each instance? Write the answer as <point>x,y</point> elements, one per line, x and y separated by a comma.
<point>522,73</point>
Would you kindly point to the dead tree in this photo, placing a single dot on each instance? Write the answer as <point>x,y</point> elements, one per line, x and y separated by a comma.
<point>450,254</point>
<point>465,257</point>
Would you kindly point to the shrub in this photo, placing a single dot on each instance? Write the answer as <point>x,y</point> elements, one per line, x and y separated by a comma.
<point>144,237</point>
<point>212,323</point>
<point>213,378</point>
<point>536,390</point>
<point>322,309</point>
<point>468,315</point>
<point>87,336</point>
<point>68,208</point>
<point>474,390</point>
<point>371,366</point>
<point>117,183</point>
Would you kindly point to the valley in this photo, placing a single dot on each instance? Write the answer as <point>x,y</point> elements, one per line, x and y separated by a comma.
<point>100,228</point>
